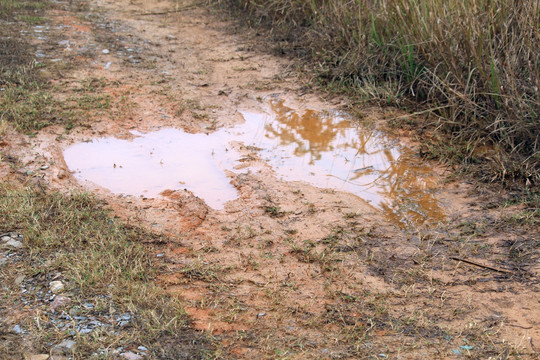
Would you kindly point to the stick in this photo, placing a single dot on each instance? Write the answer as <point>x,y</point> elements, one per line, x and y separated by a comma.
<point>167,12</point>
<point>480,265</point>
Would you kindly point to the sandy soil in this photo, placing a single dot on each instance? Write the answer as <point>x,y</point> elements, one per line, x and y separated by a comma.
<point>287,269</point>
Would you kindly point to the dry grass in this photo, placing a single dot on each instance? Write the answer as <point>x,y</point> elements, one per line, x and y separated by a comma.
<point>473,65</point>
<point>102,262</point>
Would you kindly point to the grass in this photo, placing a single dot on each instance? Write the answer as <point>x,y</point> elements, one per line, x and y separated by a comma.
<point>25,101</point>
<point>471,66</point>
<point>102,262</point>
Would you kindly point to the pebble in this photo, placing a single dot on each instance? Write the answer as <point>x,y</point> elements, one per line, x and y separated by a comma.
<point>3,260</point>
<point>123,324</point>
<point>17,329</point>
<point>44,167</point>
<point>39,357</point>
<point>105,51</point>
<point>56,286</point>
<point>59,302</point>
<point>61,174</point>
<point>65,347</point>
<point>19,279</point>
<point>13,243</point>
<point>131,356</point>
<point>142,348</point>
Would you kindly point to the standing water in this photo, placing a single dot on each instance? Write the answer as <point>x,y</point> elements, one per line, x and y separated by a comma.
<point>327,150</point>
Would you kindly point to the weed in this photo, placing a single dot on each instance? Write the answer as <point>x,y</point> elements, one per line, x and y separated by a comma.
<point>274,211</point>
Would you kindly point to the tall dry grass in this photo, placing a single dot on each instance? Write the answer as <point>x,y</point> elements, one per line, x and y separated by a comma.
<point>474,64</point>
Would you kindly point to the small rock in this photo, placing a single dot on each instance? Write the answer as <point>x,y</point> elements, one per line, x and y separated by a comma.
<point>3,260</point>
<point>88,306</point>
<point>56,286</point>
<point>58,357</point>
<point>17,329</point>
<point>105,51</point>
<point>39,357</point>
<point>44,167</point>
<point>123,324</point>
<point>142,348</point>
<point>59,302</point>
<point>19,279</point>
<point>6,238</point>
<point>65,347</point>
<point>131,356</point>
<point>14,243</point>
<point>61,174</point>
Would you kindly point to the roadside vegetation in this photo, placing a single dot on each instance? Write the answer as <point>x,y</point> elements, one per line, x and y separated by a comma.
<point>471,68</point>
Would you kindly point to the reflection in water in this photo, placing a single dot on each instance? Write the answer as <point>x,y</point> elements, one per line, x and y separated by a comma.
<point>323,149</point>
<point>328,150</point>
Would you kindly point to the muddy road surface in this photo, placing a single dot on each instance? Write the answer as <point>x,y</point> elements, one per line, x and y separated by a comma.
<point>297,229</point>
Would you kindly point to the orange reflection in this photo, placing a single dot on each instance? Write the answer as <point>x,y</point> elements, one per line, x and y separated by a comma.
<point>329,150</point>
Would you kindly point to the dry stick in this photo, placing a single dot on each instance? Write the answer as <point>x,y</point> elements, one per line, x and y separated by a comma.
<point>480,265</point>
<point>168,11</point>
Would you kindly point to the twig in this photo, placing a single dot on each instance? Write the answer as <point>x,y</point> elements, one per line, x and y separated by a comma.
<point>480,265</point>
<point>168,11</point>
<point>521,327</point>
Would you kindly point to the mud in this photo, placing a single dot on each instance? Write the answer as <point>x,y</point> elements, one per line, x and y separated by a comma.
<point>296,230</point>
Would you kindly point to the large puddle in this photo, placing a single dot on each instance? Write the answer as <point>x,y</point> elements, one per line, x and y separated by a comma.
<point>327,150</point>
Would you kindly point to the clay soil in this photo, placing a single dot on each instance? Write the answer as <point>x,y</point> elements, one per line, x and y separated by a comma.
<point>287,270</point>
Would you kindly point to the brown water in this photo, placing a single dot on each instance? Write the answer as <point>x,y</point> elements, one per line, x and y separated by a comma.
<point>327,150</point>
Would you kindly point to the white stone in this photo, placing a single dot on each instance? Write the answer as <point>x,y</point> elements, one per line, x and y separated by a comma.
<point>39,357</point>
<point>56,286</point>
<point>14,243</point>
<point>131,356</point>
<point>65,347</point>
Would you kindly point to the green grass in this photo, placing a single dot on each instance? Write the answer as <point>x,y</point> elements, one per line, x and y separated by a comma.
<point>25,101</point>
<point>28,108</point>
<point>472,65</point>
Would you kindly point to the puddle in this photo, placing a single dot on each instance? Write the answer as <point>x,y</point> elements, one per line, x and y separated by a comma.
<point>154,162</point>
<point>327,150</point>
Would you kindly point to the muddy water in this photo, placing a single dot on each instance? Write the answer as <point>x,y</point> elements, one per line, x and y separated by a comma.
<point>154,162</point>
<point>327,150</point>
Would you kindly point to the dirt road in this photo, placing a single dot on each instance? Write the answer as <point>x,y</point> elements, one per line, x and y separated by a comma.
<point>264,255</point>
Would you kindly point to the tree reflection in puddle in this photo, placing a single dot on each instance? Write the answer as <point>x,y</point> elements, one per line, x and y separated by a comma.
<point>331,151</point>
